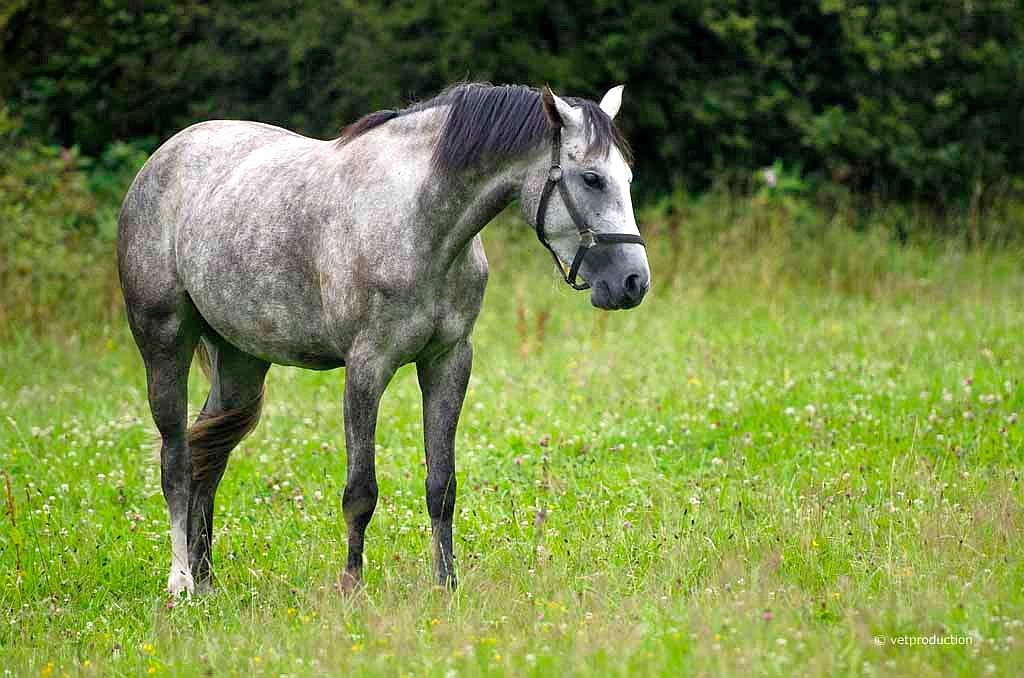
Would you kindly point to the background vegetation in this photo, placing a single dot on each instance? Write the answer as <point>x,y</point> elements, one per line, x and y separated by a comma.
<point>913,98</point>
<point>805,439</point>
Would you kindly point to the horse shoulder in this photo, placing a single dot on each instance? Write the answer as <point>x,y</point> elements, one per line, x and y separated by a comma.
<point>464,293</point>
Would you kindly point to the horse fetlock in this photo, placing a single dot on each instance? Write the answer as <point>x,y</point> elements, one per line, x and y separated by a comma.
<point>441,491</point>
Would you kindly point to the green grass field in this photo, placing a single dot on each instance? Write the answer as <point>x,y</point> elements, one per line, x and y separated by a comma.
<point>752,473</point>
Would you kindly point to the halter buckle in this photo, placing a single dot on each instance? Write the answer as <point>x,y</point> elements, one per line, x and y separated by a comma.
<point>555,174</point>
<point>587,239</point>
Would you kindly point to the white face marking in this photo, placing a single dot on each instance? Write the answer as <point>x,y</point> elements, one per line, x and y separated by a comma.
<point>619,179</point>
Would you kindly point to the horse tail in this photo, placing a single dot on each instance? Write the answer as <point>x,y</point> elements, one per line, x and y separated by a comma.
<point>212,437</point>
<point>203,357</point>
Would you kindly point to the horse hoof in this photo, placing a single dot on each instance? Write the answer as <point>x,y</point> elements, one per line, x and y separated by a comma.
<point>448,584</point>
<point>350,582</point>
<point>180,582</point>
<point>204,587</point>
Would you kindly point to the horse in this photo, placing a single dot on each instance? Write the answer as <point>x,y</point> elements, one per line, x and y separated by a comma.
<point>248,245</point>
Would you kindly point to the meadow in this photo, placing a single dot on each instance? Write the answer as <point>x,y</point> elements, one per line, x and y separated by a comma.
<point>800,456</point>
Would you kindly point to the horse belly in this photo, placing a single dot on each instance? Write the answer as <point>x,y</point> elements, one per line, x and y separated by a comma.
<point>268,307</point>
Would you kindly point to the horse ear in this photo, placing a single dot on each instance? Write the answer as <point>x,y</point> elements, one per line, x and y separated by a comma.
<point>559,112</point>
<point>612,101</point>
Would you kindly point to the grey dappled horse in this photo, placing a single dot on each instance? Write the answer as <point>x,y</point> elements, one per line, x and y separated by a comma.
<point>256,245</point>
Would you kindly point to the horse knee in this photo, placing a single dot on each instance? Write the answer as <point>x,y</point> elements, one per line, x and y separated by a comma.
<point>441,490</point>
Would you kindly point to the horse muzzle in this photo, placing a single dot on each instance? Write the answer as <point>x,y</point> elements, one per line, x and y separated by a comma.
<point>620,290</point>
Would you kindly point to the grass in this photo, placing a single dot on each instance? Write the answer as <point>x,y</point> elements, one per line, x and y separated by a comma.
<point>755,471</point>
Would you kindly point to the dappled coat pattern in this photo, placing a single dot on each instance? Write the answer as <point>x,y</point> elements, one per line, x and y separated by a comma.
<point>258,246</point>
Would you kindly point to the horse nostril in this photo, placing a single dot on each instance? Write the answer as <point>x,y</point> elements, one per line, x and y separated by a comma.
<point>635,289</point>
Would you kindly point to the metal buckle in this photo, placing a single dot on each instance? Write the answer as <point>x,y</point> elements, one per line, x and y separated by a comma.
<point>587,239</point>
<point>555,173</point>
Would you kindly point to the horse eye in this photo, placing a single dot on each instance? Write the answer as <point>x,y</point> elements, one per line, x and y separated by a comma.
<point>593,180</point>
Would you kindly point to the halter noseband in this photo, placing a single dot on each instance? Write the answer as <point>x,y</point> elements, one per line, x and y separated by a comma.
<point>588,237</point>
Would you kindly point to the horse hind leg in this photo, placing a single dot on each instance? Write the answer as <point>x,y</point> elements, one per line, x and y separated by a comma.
<point>167,337</point>
<point>231,411</point>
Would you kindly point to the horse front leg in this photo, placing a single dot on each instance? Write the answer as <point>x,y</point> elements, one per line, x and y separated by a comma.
<point>364,384</point>
<point>443,381</point>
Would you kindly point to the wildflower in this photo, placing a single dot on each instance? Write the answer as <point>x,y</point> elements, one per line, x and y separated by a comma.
<point>770,177</point>
<point>767,615</point>
<point>148,648</point>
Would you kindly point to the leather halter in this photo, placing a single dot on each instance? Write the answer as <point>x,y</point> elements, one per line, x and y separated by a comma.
<point>588,237</point>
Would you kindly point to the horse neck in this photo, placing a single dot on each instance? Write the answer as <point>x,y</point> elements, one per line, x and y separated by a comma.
<point>456,206</point>
<point>461,205</point>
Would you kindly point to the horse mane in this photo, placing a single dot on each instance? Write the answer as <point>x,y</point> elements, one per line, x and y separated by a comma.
<point>487,120</point>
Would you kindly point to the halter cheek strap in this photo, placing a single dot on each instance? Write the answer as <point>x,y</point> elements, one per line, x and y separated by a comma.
<point>588,237</point>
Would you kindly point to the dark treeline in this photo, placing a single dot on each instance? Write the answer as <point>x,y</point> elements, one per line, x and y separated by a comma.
<point>917,99</point>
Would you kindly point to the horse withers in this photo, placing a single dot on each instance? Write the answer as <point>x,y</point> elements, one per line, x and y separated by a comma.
<point>256,246</point>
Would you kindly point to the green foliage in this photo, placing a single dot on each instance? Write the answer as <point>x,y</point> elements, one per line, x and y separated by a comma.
<point>59,213</point>
<point>904,98</point>
<point>88,72</point>
<point>59,208</point>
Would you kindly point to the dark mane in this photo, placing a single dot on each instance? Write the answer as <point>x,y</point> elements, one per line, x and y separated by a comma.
<point>494,120</point>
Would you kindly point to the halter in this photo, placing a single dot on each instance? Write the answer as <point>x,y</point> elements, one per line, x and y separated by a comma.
<point>588,237</point>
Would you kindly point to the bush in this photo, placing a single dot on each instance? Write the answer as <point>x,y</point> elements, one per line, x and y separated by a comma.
<point>901,98</point>
<point>59,214</point>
